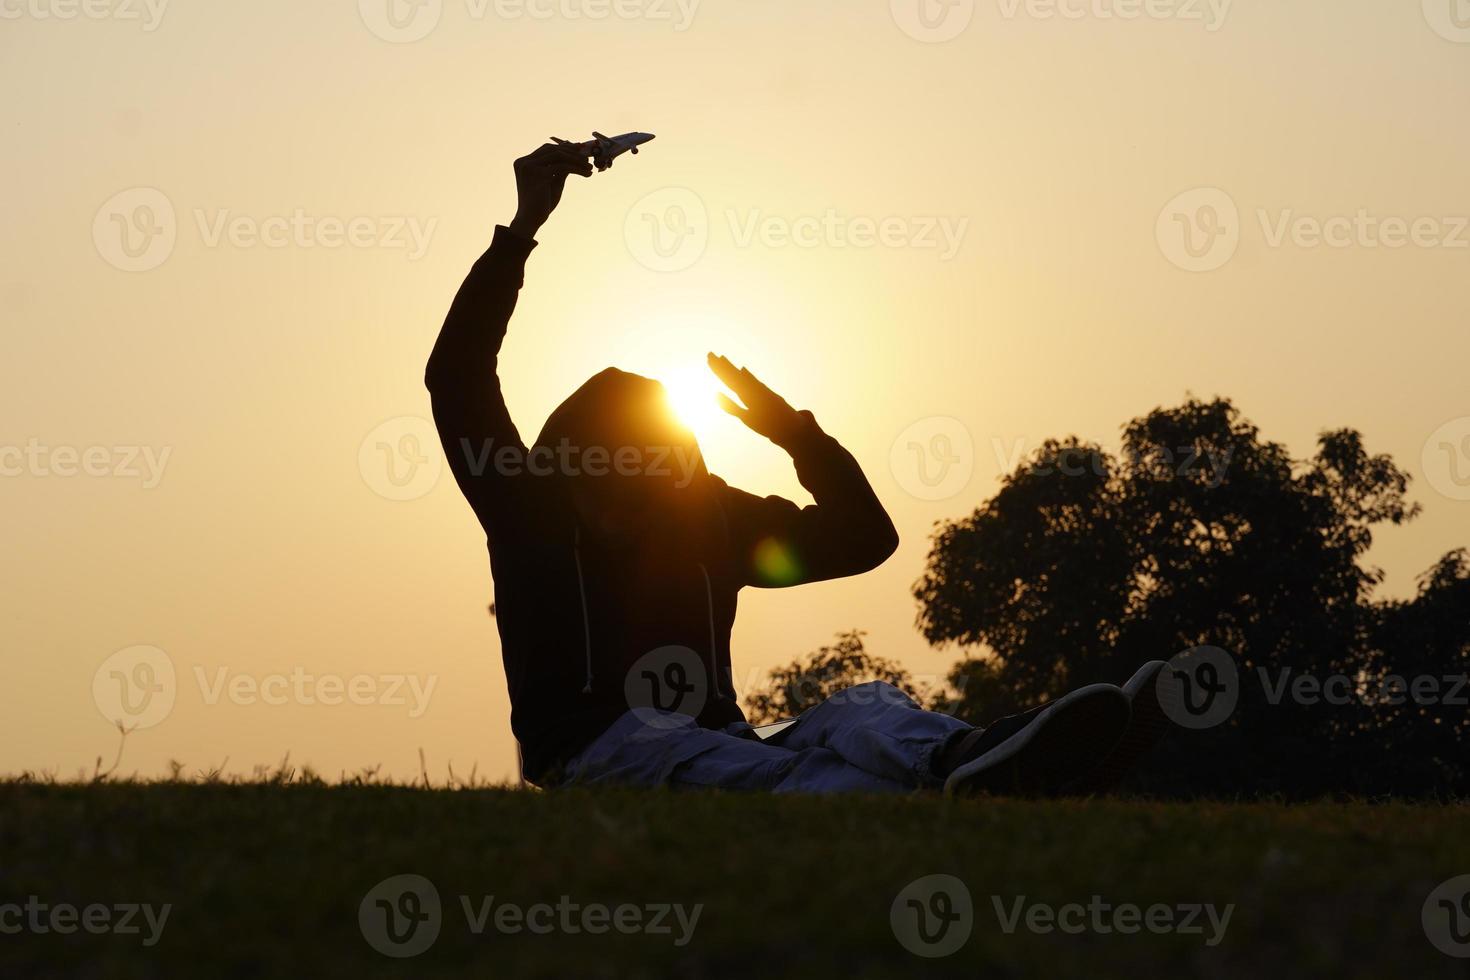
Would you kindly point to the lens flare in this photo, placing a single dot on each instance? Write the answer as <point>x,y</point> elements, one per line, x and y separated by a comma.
<point>692,399</point>
<point>775,563</point>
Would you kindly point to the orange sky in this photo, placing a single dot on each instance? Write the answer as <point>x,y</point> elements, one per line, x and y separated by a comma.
<point>233,231</point>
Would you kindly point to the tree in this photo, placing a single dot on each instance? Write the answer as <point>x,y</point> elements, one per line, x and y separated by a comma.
<point>1199,532</point>
<point>1423,736</point>
<point>810,680</point>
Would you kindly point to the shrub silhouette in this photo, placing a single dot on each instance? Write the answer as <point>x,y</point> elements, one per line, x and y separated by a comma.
<point>1199,532</point>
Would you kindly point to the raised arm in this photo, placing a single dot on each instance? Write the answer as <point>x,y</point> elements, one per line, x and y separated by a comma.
<point>846,532</point>
<point>469,410</point>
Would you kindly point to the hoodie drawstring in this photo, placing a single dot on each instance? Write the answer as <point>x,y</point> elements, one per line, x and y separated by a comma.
<point>582,591</point>
<point>709,595</point>
<point>709,598</point>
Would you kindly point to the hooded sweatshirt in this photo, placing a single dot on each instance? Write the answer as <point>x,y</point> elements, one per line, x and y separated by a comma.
<point>590,623</point>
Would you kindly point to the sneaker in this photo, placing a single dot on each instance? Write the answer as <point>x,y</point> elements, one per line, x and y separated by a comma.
<point>1040,752</point>
<point>1149,722</point>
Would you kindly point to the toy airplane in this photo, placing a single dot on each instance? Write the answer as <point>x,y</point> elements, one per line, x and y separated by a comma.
<point>604,149</point>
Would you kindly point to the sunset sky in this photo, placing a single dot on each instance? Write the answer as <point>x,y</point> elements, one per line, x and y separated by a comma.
<point>232,232</point>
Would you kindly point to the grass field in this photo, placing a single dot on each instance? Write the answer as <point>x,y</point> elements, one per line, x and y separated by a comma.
<point>268,880</point>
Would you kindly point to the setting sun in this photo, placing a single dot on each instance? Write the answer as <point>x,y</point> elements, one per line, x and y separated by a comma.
<point>692,396</point>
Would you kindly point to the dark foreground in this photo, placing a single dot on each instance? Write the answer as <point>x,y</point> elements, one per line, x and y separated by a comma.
<point>284,880</point>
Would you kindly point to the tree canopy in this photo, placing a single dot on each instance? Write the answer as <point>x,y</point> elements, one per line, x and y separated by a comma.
<point>1197,532</point>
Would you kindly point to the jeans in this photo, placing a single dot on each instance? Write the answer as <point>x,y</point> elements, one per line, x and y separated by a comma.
<point>870,738</point>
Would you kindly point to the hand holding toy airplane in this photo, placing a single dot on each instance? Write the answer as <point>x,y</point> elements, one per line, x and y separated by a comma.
<point>604,149</point>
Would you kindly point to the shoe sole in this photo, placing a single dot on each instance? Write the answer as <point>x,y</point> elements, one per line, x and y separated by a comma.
<point>1065,741</point>
<point>1150,720</point>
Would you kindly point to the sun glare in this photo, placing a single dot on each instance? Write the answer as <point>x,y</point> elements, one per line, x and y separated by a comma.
<point>692,397</point>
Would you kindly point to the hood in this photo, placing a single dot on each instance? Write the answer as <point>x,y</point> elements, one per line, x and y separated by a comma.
<point>616,410</point>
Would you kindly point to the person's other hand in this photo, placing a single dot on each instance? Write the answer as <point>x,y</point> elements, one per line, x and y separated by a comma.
<point>540,177</point>
<point>764,411</point>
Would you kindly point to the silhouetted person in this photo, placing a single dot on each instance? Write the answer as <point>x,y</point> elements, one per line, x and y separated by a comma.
<point>618,558</point>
